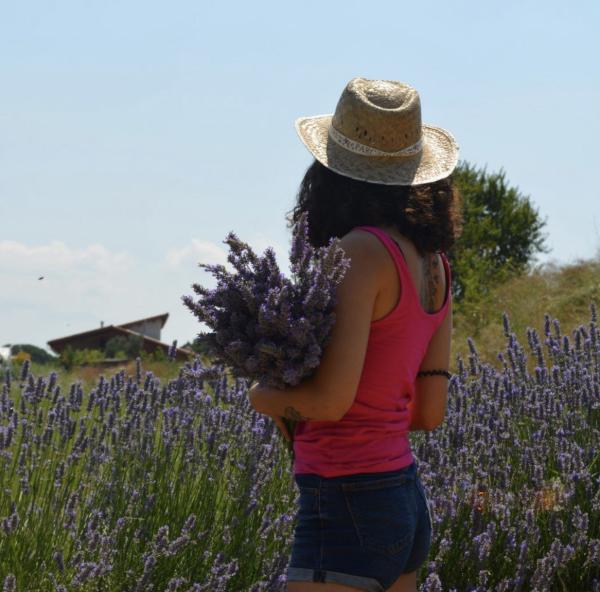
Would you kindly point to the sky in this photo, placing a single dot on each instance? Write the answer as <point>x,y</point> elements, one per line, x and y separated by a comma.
<point>135,135</point>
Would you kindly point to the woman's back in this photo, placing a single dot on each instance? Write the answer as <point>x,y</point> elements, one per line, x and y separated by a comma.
<point>427,274</point>
<point>373,434</point>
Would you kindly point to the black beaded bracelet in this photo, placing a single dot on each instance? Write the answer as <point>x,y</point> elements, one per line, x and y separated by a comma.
<point>435,372</point>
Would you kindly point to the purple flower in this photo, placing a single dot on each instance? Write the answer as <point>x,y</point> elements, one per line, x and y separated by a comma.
<point>265,326</point>
<point>10,583</point>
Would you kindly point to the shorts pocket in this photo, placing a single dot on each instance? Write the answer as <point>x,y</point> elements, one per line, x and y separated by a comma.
<point>421,490</point>
<point>383,512</point>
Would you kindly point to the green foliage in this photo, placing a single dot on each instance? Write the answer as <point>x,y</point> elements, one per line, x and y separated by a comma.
<point>134,346</point>
<point>70,357</point>
<point>113,345</point>
<point>67,358</point>
<point>199,344</point>
<point>562,291</point>
<point>121,346</point>
<point>158,355</point>
<point>502,232</point>
<point>88,356</point>
<point>38,355</point>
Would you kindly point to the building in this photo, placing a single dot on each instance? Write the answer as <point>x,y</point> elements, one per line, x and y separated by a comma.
<point>5,356</point>
<point>149,329</point>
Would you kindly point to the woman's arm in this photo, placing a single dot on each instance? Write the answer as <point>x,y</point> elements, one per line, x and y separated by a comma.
<point>417,426</point>
<point>431,392</point>
<point>330,391</point>
<point>302,402</point>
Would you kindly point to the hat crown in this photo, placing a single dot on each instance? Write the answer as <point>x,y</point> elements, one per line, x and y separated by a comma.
<point>381,114</point>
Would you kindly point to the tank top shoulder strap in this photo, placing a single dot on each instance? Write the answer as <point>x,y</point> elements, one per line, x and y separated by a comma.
<point>392,246</point>
<point>402,266</point>
<point>397,255</point>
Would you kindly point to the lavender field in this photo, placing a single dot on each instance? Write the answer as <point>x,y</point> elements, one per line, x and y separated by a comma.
<point>137,485</point>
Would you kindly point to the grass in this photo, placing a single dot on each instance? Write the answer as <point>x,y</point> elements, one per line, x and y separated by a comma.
<point>563,292</point>
<point>88,375</point>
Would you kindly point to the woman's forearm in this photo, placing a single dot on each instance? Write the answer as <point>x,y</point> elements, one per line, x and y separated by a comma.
<point>416,425</point>
<point>302,402</point>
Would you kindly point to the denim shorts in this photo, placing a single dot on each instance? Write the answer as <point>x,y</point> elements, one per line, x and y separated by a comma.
<point>362,530</point>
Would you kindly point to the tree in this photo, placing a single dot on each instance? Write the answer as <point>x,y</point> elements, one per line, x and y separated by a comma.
<point>502,232</point>
<point>199,345</point>
<point>128,347</point>
<point>38,355</point>
<point>134,346</point>
<point>68,358</point>
<point>115,345</point>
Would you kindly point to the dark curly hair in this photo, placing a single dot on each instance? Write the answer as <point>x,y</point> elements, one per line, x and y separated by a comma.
<point>429,214</point>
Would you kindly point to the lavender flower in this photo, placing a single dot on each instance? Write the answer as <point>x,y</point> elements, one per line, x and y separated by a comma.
<point>147,484</point>
<point>265,326</point>
<point>10,583</point>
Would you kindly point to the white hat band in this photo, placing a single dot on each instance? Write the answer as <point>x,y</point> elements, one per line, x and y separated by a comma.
<point>358,148</point>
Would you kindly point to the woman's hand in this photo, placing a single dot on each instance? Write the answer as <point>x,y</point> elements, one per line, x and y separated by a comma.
<point>258,397</point>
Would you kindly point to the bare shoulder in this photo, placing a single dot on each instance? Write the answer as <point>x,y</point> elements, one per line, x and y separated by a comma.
<point>365,247</point>
<point>360,237</point>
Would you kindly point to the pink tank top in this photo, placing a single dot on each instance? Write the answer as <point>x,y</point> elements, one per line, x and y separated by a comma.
<point>372,436</point>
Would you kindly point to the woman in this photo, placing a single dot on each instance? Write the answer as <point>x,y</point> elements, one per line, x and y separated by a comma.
<point>381,182</point>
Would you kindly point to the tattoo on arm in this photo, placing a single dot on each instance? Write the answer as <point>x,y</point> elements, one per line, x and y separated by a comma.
<point>431,281</point>
<point>294,414</point>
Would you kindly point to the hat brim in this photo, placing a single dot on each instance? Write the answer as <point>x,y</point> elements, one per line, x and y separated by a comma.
<point>436,161</point>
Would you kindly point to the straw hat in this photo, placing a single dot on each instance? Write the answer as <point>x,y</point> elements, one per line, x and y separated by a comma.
<point>376,135</point>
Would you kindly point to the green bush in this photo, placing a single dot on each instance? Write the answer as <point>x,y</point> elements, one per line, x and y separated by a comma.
<point>127,347</point>
<point>38,355</point>
<point>158,355</point>
<point>70,357</point>
<point>67,358</point>
<point>502,232</point>
<point>88,356</point>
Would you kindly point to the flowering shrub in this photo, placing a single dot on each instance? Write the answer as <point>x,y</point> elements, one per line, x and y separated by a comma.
<point>182,486</point>
<point>513,473</point>
<point>21,356</point>
<point>139,486</point>
<point>266,326</point>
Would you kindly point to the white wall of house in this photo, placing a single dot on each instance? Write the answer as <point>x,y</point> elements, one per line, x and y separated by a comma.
<point>5,355</point>
<point>147,328</point>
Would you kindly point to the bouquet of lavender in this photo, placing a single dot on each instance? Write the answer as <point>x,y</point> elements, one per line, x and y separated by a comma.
<point>265,326</point>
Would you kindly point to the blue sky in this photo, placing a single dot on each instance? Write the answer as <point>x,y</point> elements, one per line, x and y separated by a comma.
<point>135,135</point>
